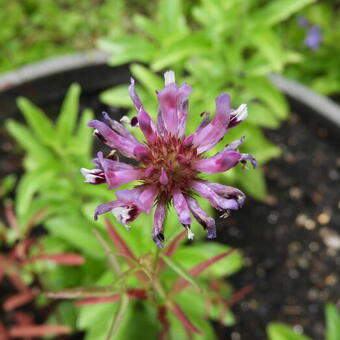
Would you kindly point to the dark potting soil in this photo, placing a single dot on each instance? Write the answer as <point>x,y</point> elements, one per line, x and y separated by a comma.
<point>291,241</point>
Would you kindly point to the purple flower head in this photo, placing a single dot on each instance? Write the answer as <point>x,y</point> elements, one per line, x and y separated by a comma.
<point>313,38</point>
<point>302,22</point>
<point>170,162</point>
<point>313,33</point>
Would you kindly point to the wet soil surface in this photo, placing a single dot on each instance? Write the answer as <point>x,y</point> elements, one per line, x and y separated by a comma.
<point>291,242</point>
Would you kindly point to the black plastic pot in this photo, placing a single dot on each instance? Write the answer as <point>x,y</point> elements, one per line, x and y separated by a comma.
<point>276,240</point>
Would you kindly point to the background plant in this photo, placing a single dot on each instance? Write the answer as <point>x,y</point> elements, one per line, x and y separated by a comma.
<point>279,331</point>
<point>318,68</point>
<point>32,29</point>
<point>23,263</point>
<point>223,47</point>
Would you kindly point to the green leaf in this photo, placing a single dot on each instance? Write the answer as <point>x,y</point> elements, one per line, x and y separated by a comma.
<point>147,25</point>
<point>332,322</point>
<point>76,232</point>
<point>226,317</point>
<point>28,141</point>
<point>84,138</point>
<point>68,115</point>
<point>263,89</point>
<point>279,10</point>
<point>7,184</point>
<point>261,115</point>
<point>92,314</point>
<point>194,306</point>
<point>170,18</point>
<point>127,49</point>
<point>269,45</point>
<point>29,184</point>
<point>181,50</point>
<point>179,269</point>
<point>147,78</point>
<point>119,316</point>
<point>278,331</point>
<point>37,120</point>
<point>253,182</point>
<point>202,251</point>
<point>117,96</point>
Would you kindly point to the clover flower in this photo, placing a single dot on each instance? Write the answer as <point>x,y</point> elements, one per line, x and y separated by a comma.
<point>170,162</point>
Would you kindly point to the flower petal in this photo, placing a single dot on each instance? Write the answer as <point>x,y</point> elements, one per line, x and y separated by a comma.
<point>227,192</point>
<point>126,214</point>
<point>129,196</point>
<point>146,198</point>
<point>134,96</point>
<point>181,207</point>
<point>221,162</point>
<point>115,179</point>
<point>117,173</point>
<point>147,126</point>
<point>173,106</point>
<point>205,138</point>
<point>109,164</point>
<point>163,178</point>
<point>202,217</point>
<point>114,140</point>
<point>105,207</point>
<point>234,145</point>
<point>158,221</point>
<point>246,157</point>
<point>238,116</point>
<point>216,201</point>
<point>94,176</point>
<point>119,128</point>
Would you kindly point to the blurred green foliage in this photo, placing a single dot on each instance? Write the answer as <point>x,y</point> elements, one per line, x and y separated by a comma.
<point>319,69</point>
<point>279,331</point>
<point>221,47</point>
<point>31,30</point>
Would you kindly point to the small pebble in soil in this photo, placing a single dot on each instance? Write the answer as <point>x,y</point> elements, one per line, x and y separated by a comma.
<point>314,246</point>
<point>235,336</point>
<point>303,262</point>
<point>324,218</point>
<point>313,294</point>
<point>337,162</point>
<point>289,157</point>
<point>316,197</point>
<point>333,175</point>
<point>294,247</point>
<point>295,193</point>
<point>331,280</point>
<point>303,220</point>
<point>253,304</point>
<point>294,274</point>
<point>270,200</point>
<point>247,261</point>
<point>298,329</point>
<point>273,217</point>
<point>330,238</point>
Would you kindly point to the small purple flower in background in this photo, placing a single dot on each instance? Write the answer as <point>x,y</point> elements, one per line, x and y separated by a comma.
<point>313,34</point>
<point>313,38</point>
<point>170,161</point>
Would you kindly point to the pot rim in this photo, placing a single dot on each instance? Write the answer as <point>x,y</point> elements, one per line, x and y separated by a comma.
<point>323,106</point>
